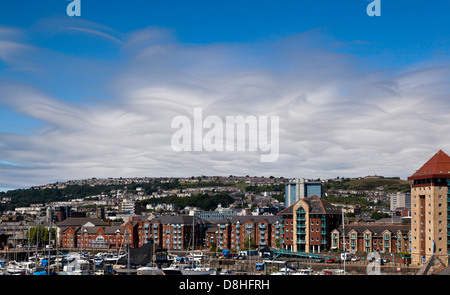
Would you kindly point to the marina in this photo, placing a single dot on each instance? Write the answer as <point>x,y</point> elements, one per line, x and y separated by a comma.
<point>179,263</point>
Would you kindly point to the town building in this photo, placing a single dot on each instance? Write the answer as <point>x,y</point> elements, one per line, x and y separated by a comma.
<point>93,233</point>
<point>218,214</point>
<point>371,237</point>
<point>400,200</point>
<point>430,197</point>
<point>240,232</point>
<point>306,225</point>
<point>301,188</point>
<point>177,232</point>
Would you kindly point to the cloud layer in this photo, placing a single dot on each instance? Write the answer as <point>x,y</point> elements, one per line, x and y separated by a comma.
<point>110,116</point>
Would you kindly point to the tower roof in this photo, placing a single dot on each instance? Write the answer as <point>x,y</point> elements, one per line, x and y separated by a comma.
<point>436,167</point>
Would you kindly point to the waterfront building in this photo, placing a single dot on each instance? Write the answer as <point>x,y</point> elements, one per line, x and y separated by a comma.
<point>430,197</point>
<point>218,214</point>
<point>306,225</point>
<point>371,237</point>
<point>240,232</point>
<point>301,188</point>
<point>93,233</point>
<point>177,232</point>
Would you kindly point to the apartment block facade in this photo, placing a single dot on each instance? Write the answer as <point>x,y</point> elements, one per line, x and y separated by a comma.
<point>239,232</point>
<point>93,233</point>
<point>367,238</point>
<point>306,225</point>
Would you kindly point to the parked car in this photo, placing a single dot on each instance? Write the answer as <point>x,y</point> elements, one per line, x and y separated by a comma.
<point>355,258</point>
<point>331,260</point>
<point>320,260</point>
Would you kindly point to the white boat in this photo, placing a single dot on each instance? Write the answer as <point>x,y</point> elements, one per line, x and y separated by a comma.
<point>303,272</point>
<point>74,271</point>
<point>226,272</point>
<point>284,271</point>
<point>15,268</point>
<point>124,270</point>
<point>112,257</point>
<point>196,271</point>
<point>196,257</point>
<point>149,269</point>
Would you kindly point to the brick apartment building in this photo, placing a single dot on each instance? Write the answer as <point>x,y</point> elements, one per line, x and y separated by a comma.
<point>238,232</point>
<point>306,225</point>
<point>370,237</point>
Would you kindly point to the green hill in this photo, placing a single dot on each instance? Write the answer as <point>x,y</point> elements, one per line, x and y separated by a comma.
<point>389,185</point>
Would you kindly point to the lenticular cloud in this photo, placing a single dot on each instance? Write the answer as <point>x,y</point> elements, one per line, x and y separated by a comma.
<point>338,115</point>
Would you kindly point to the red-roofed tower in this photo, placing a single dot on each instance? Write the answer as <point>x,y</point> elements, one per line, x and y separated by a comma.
<point>430,193</point>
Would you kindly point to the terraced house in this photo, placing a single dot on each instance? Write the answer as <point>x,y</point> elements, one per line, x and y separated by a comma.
<point>366,238</point>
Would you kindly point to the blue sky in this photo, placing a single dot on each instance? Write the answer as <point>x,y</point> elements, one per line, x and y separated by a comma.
<point>93,96</point>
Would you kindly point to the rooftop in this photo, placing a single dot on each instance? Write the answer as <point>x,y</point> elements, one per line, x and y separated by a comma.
<point>436,167</point>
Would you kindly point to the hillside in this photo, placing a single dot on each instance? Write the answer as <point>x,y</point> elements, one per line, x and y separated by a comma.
<point>389,185</point>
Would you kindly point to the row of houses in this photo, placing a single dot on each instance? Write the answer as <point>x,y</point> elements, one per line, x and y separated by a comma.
<point>311,225</point>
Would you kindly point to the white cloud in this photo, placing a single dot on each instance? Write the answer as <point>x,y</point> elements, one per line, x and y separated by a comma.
<point>339,116</point>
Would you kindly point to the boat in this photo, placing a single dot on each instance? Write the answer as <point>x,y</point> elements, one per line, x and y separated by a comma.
<point>174,269</point>
<point>223,272</point>
<point>196,257</point>
<point>125,270</point>
<point>112,257</point>
<point>197,271</point>
<point>149,269</point>
<point>285,271</point>
<point>20,268</point>
<point>303,272</point>
<point>15,268</point>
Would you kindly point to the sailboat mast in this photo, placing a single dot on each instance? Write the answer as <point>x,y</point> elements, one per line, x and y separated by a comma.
<point>343,237</point>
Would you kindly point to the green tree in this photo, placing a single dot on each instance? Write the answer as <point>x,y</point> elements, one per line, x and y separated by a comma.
<point>379,215</point>
<point>249,243</point>
<point>40,234</point>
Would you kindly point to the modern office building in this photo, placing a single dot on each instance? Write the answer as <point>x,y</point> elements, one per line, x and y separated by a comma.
<point>430,195</point>
<point>301,188</point>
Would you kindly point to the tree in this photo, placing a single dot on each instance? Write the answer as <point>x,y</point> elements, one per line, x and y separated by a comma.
<point>250,240</point>
<point>41,234</point>
<point>379,215</point>
<point>213,247</point>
